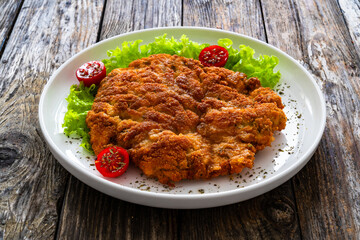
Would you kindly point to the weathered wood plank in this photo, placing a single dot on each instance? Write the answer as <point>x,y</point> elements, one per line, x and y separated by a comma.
<point>122,16</point>
<point>272,215</point>
<point>239,16</point>
<point>32,183</point>
<point>351,14</point>
<point>90,214</point>
<point>8,13</point>
<point>327,189</point>
<point>269,216</point>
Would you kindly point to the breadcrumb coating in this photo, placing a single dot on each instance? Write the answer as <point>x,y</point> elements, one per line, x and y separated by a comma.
<point>180,120</point>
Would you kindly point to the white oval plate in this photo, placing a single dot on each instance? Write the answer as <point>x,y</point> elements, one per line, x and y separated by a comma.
<point>293,147</point>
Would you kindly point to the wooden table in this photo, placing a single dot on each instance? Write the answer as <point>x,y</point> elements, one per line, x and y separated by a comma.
<point>41,200</point>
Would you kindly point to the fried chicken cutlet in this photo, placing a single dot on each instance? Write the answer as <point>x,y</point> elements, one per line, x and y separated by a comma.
<point>181,120</point>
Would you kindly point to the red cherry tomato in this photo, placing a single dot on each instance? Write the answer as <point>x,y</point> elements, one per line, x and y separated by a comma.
<point>112,161</point>
<point>214,56</point>
<point>91,73</point>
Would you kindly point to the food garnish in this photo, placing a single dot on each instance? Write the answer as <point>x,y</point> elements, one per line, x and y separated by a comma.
<point>91,73</point>
<point>80,100</point>
<point>112,161</point>
<point>214,55</point>
<point>181,120</point>
<point>240,59</point>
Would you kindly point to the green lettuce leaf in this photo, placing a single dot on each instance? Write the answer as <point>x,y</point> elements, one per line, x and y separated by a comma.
<point>240,60</point>
<point>121,58</point>
<point>243,60</point>
<point>130,51</point>
<point>79,101</point>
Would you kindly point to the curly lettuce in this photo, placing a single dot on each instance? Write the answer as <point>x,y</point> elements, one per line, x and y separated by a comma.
<point>79,101</point>
<point>240,60</point>
<point>130,51</point>
<point>243,60</point>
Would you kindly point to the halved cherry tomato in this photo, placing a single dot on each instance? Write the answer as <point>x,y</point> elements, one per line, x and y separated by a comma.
<point>91,73</point>
<point>214,56</point>
<point>112,161</point>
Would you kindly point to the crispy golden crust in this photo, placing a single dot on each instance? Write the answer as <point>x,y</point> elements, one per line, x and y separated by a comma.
<point>180,120</point>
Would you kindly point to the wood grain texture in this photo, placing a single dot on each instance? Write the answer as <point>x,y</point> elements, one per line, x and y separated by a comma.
<point>89,214</point>
<point>351,14</point>
<point>8,14</point>
<point>123,16</point>
<point>31,181</point>
<point>328,188</point>
<point>238,16</point>
<point>269,216</point>
<point>272,215</point>
<point>36,40</point>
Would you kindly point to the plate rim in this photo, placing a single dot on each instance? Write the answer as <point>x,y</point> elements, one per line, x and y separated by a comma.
<point>265,185</point>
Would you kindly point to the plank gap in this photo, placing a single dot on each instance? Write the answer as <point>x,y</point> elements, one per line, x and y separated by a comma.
<point>294,6</point>
<point>263,21</point>
<point>101,22</point>
<point>61,210</point>
<point>7,35</point>
<point>182,13</point>
<point>296,207</point>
